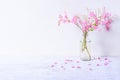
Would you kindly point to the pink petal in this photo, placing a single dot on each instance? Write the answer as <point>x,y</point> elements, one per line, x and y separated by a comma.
<point>99,58</point>
<point>105,15</point>
<point>62,66</point>
<point>92,14</point>
<point>106,58</point>
<point>75,19</point>
<point>95,27</point>
<point>98,65</point>
<point>90,69</point>
<point>107,27</point>
<point>89,64</point>
<point>66,17</point>
<point>52,66</point>
<point>73,66</point>
<point>65,62</point>
<point>78,67</point>
<point>77,61</point>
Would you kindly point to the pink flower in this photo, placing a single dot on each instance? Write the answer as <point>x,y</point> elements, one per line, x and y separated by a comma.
<point>107,27</point>
<point>63,19</point>
<point>65,16</point>
<point>75,20</point>
<point>97,21</point>
<point>85,26</point>
<point>92,14</point>
<point>107,24</point>
<point>108,21</point>
<point>106,15</point>
<point>95,27</point>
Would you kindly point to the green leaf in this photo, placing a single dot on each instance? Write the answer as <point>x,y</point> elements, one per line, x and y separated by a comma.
<point>91,29</point>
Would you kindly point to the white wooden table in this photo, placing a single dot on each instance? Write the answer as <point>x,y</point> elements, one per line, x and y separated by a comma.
<point>63,68</point>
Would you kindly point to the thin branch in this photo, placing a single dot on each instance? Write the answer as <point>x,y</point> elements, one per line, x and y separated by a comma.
<point>79,27</point>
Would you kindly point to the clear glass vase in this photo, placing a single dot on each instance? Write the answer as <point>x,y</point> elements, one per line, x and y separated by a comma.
<point>85,48</point>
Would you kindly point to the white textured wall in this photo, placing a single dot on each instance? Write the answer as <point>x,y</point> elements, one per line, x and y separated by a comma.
<point>28,28</point>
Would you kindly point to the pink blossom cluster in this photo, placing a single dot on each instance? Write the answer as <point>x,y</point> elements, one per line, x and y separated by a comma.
<point>89,22</point>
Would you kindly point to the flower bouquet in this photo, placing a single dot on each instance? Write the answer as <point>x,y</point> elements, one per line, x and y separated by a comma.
<point>89,22</point>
